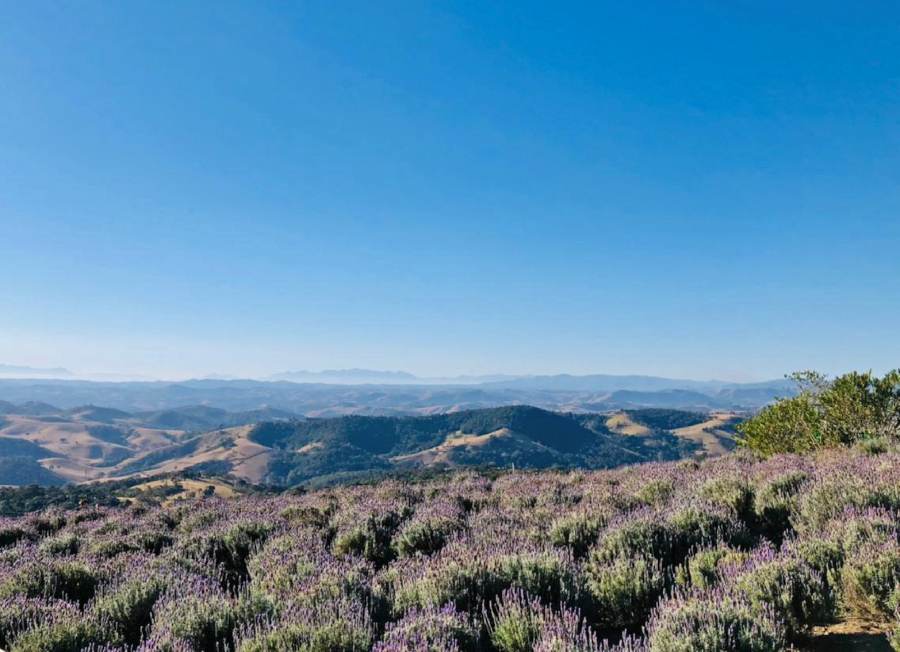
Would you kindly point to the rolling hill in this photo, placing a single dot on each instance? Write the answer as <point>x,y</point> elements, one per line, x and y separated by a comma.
<point>43,444</point>
<point>274,447</point>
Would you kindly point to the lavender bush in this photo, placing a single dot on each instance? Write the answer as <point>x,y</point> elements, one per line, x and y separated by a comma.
<point>725,554</point>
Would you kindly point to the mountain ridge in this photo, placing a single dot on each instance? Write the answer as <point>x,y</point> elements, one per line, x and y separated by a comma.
<point>322,399</point>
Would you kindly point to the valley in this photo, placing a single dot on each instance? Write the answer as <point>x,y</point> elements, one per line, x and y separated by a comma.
<point>46,445</point>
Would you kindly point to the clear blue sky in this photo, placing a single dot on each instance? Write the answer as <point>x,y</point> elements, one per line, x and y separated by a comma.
<point>700,189</point>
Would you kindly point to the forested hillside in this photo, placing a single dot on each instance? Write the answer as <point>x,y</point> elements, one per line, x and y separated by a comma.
<point>45,445</point>
<point>515,436</point>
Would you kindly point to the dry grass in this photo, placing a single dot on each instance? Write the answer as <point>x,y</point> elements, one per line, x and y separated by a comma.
<point>440,454</point>
<point>710,434</point>
<point>189,489</point>
<point>622,424</point>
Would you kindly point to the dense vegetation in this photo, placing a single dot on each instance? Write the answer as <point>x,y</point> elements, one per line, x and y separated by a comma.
<point>17,501</point>
<point>665,419</point>
<point>314,449</point>
<point>724,554</point>
<point>842,411</point>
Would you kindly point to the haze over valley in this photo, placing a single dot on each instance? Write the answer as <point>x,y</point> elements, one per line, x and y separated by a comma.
<point>371,392</point>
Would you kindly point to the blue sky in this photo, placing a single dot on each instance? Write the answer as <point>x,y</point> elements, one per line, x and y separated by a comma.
<point>703,189</point>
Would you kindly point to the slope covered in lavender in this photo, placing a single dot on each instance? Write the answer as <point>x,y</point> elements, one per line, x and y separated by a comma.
<point>727,554</point>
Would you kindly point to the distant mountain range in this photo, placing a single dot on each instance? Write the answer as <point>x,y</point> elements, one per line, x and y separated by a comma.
<point>375,377</point>
<point>190,418</point>
<point>596,393</point>
<point>347,377</point>
<point>562,382</point>
<point>18,371</point>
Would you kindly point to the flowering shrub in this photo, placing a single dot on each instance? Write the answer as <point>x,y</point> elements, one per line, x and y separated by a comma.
<point>872,580</point>
<point>338,625</point>
<point>429,529</point>
<point>430,629</point>
<point>786,585</point>
<point>518,622</point>
<point>578,531</point>
<point>625,590</point>
<point>775,501</point>
<point>704,569</point>
<point>724,554</point>
<point>734,494</point>
<point>711,622</point>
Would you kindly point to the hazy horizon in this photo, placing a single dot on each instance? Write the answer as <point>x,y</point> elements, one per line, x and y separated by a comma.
<point>450,188</point>
<point>59,372</point>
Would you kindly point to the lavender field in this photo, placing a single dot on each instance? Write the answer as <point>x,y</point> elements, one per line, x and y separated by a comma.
<point>726,554</point>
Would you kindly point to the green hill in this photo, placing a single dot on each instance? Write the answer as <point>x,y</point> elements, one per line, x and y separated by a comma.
<point>520,436</point>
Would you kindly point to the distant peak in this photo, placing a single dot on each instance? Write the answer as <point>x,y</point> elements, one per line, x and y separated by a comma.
<point>20,371</point>
<point>345,376</point>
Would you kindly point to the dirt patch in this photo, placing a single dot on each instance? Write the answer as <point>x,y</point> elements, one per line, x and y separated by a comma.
<point>849,636</point>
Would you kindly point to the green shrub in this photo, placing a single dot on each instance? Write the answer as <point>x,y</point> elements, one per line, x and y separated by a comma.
<point>72,635</point>
<point>128,609</point>
<point>826,559</point>
<point>47,523</point>
<point>514,622</point>
<point>874,445</point>
<point>644,536</point>
<point>203,621</point>
<point>467,582</point>
<point>431,629</point>
<point>547,576</point>
<point>795,592</point>
<point>577,531</point>
<point>370,539</point>
<point>792,425</point>
<point>335,636</point>
<point>331,626</point>
<point>625,590</point>
<point>17,615</point>
<point>703,569</point>
<point>655,492</point>
<point>700,526</point>
<point>109,548</point>
<point>462,583</point>
<point>67,544</point>
<point>424,537</point>
<point>734,494</point>
<point>229,549</point>
<point>667,538</point>
<point>835,500</point>
<point>713,622</point>
<point>152,541</point>
<point>774,503</point>
<point>307,516</point>
<point>842,411</point>
<point>67,580</point>
<point>10,535</point>
<point>871,579</point>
